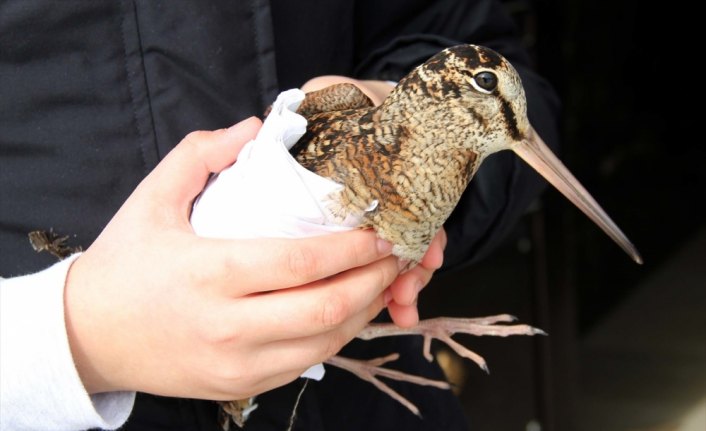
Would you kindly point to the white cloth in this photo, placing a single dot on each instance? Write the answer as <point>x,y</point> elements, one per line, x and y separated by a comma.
<point>266,193</point>
<point>39,386</point>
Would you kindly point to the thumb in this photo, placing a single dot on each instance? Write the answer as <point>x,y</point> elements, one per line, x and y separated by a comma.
<point>183,173</point>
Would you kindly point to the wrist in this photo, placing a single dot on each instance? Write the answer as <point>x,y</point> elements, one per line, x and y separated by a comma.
<point>80,330</point>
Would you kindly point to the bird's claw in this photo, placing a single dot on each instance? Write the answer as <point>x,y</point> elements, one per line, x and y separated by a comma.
<point>442,328</point>
<point>368,370</point>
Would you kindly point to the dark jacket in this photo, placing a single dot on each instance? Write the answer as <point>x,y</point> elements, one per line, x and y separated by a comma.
<point>94,94</point>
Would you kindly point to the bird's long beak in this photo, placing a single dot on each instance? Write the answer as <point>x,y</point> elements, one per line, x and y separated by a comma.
<point>535,152</point>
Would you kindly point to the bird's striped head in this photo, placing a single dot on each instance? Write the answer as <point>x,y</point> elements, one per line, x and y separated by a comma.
<point>477,100</point>
<point>476,82</point>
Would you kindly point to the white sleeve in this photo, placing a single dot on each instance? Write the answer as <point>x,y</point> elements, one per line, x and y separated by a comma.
<point>40,388</point>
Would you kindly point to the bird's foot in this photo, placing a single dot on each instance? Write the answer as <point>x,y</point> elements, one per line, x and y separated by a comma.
<point>52,243</point>
<point>442,328</point>
<point>370,370</point>
<point>236,411</point>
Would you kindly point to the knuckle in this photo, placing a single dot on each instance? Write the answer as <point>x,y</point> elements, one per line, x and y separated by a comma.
<point>362,252</point>
<point>230,264</point>
<point>386,272</point>
<point>212,276</point>
<point>217,335</point>
<point>334,311</point>
<point>301,263</point>
<point>233,372</point>
<point>335,342</point>
<point>193,138</point>
<point>222,271</point>
<point>374,309</point>
<point>210,326</point>
<point>194,142</point>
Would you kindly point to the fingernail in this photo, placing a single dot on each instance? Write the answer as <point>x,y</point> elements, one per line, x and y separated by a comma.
<point>235,128</point>
<point>402,264</point>
<point>384,247</point>
<point>387,297</point>
<point>419,285</point>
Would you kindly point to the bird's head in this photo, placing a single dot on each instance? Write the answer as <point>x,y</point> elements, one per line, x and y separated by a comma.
<point>476,90</point>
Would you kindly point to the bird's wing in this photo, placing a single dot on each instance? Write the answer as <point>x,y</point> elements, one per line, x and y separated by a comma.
<point>327,136</point>
<point>338,97</point>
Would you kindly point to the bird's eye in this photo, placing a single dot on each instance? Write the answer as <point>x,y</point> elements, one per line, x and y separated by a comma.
<point>487,81</point>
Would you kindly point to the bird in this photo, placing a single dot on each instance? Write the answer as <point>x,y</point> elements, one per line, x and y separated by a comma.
<point>405,164</point>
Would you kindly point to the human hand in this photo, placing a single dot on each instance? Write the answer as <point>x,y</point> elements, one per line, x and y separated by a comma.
<point>402,294</point>
<point>377,91</point>
<point>151,307</point>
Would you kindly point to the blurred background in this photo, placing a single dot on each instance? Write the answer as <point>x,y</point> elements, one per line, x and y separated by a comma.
<point>627,343</point>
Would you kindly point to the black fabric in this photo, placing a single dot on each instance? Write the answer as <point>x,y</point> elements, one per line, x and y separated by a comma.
<point>93,94</point>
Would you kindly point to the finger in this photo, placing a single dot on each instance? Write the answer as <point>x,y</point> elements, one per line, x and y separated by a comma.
<point>302,353</point>
<point>321,82</point>
<point>316,308</point>
<point>434,257</point>
<point>376,90</point>
<point>404,316</point>
<point>184,171</point>
<point>259,265</point>
<point>406,287</point>
<point>281,362</point>
<point>443,237</point>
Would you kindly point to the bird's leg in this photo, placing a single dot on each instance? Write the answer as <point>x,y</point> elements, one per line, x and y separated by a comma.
<point>442,328</point>
<point>369,371</point>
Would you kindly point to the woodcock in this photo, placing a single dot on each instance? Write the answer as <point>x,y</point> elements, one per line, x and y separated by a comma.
<point>405,164</point>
